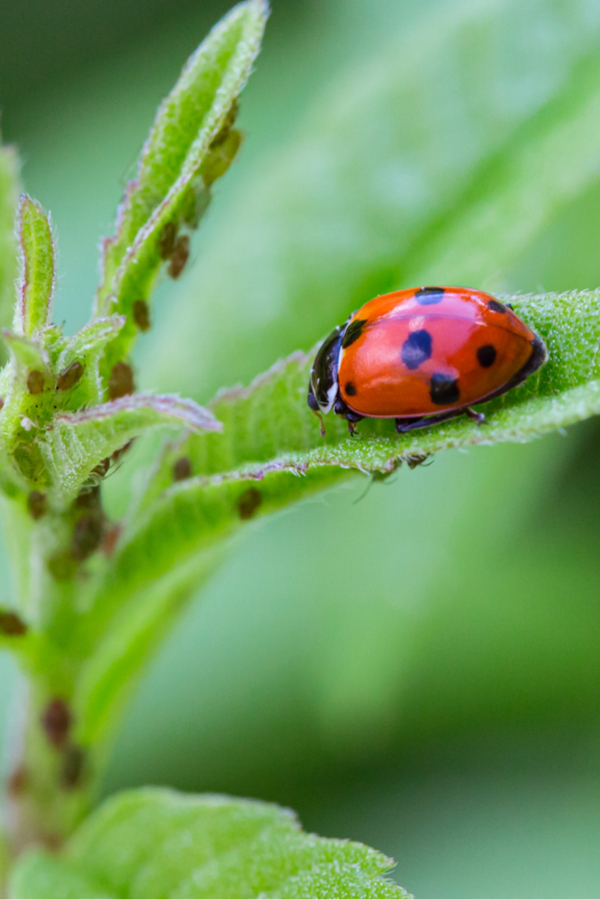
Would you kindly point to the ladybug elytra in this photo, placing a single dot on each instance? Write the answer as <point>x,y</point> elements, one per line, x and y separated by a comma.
<point>422,356</point>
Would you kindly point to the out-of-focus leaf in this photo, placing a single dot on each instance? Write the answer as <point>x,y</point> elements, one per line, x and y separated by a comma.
<point>408,173</point>
<point>79,441</point>
<point>192,126</point>
<point>42,874</point>
<point>8,248</point>
<point>32,312</point>
<point>159,843</point>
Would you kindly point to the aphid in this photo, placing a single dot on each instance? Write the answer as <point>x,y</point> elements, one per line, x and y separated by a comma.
<point>56,721</point>
<point>87,536</point>
<point>422,356</point>
<point>36,504</point>
<point>249,502</point>
<point>166,240</point>
<point>179,256</point>
<point>35,382</point>
<point>182,468</point>
<point>141,315</point>
<point>12,625</point>
<point>120,381</point>
<point>69,377</point>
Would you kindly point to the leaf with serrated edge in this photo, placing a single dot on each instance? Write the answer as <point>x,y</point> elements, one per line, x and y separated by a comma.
<point>79,441</point>
<point>160,843</point>
<point>178,145</point>
<point>36,283</point>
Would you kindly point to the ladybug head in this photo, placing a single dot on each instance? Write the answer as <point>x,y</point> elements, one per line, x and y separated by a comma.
<point>323,384</point>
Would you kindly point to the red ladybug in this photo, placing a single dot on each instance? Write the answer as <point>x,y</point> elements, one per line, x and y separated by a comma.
<point>423,356</point>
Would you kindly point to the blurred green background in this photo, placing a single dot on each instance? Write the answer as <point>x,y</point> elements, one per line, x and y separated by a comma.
<point>419,670</point>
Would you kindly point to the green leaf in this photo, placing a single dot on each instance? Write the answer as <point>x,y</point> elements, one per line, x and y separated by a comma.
<point>41,874</point>
<point>8,251</point>
<point>32,312</point>
<point>191,136</point>
<point>272,442</point>
<point>159,843</point>
<point>78,441</point>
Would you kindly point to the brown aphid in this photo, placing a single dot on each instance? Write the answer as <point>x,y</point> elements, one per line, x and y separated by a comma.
<point>248,503</point>
<point>12,625</point>
<point>56,721</point>
<point>166,240</point>
<point>413,460</point>
<point>182,468</point>
<point>230,118</point>
<point>110,539</point>
<point>72,766</point>
<point>180,256</point>
<point>17,781</point>
<point>102,468</point>
<point>120,381</point>
<point>1,402</point>
<point>36,504</point>
<point>88,497</point>
<point>122,450</point>
<point>69,377</point>
<point>141,315</point>
<point>35,382</point>
<point>87,537</point>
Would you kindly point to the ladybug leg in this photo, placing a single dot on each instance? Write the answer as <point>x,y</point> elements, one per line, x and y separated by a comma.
<point>408,424</point>
<point>476,416</point>
<point>341,409</point>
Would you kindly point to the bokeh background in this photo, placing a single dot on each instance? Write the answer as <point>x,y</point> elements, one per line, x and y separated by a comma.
<point>419,670</point>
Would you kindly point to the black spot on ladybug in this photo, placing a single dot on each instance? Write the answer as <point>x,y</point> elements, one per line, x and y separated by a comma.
<point>248,503</point>
<point>350,389</point>
<point>416,349</point>
<point>443,389</point>
<point>486,355</point>
<point>496,306</point>
<point>427,296</point>
<point>353,332</point>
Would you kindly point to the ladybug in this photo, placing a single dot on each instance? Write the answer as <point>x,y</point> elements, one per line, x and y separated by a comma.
<point>422,356</point>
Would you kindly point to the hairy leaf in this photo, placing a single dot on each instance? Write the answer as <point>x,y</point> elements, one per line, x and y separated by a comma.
<point>32,312</point>
<point>159,843</point>
<point>191,131</point>
<point>79,441</point>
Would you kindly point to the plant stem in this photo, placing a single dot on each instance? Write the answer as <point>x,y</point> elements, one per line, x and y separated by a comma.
<point>50,786</point>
